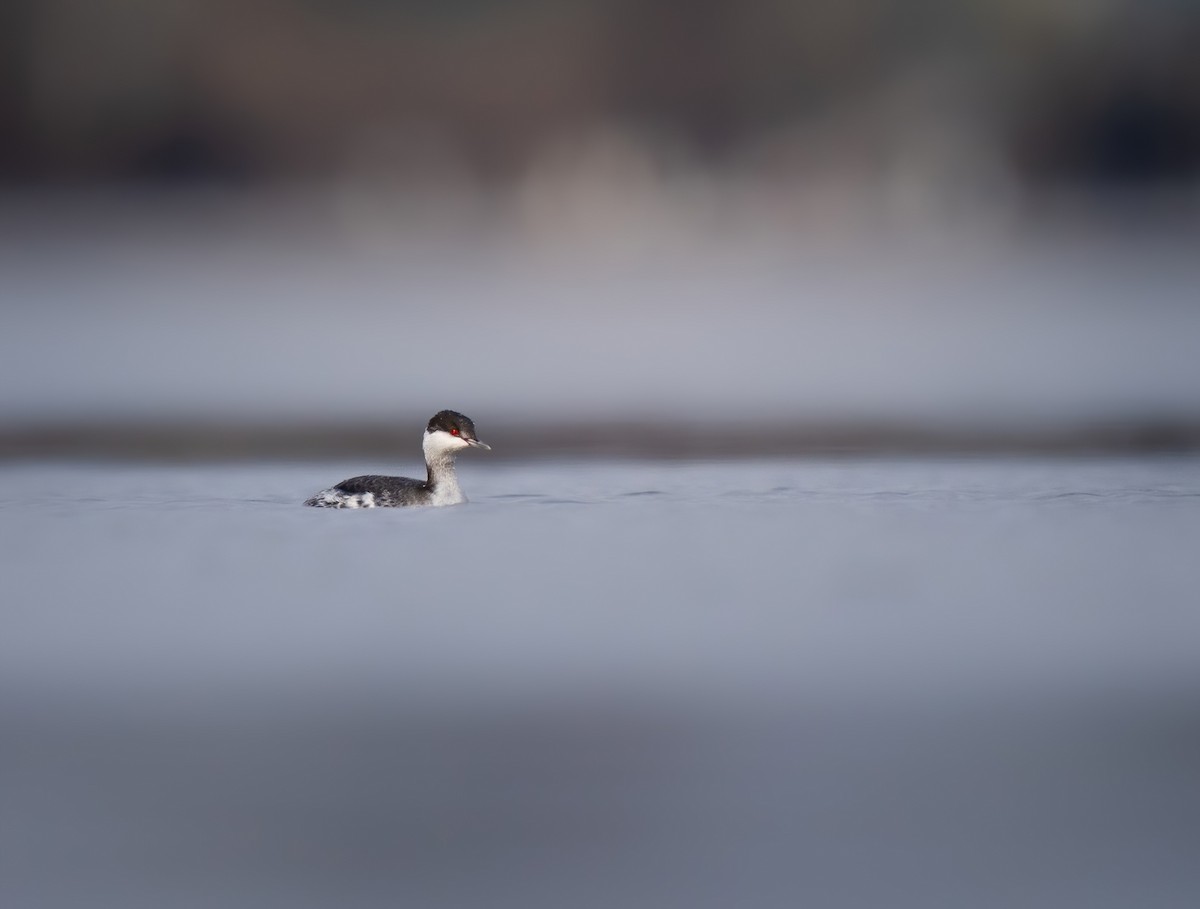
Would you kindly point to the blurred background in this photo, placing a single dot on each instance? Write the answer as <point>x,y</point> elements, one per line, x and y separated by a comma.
<point>684,264</point>
<point>296,226</point>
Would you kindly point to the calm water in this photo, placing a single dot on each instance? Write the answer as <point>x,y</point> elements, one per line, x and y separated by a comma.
<point>867,683</point>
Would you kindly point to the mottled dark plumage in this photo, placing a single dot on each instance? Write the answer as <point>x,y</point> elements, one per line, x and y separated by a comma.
<point>385,491</point>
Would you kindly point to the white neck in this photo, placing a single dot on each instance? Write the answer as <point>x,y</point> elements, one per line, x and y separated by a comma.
<point>440,448</point>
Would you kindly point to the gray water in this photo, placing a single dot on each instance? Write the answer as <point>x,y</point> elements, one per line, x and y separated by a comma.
<point>863,683</point>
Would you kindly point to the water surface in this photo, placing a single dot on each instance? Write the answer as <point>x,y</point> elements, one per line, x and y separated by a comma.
<point>917,683</point>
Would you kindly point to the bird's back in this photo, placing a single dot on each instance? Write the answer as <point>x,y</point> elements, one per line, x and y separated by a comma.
<point>372,491</point>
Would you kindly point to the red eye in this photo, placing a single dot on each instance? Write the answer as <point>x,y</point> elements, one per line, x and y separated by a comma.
<point>454,432</point>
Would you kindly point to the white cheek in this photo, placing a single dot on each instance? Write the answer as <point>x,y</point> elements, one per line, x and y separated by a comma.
<point>441,442</point>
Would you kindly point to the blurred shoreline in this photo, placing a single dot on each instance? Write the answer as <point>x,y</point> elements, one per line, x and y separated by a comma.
<point>203,442</point>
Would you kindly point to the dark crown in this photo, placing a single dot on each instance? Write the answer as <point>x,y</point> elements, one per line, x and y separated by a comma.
<point>449,420</point>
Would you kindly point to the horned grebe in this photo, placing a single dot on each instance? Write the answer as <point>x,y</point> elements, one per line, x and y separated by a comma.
<point>448,433</point>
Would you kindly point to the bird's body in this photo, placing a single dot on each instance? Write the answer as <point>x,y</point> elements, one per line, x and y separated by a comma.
<point>446,434</point>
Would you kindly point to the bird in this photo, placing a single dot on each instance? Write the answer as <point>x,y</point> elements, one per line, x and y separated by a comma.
<point>447,433</point>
